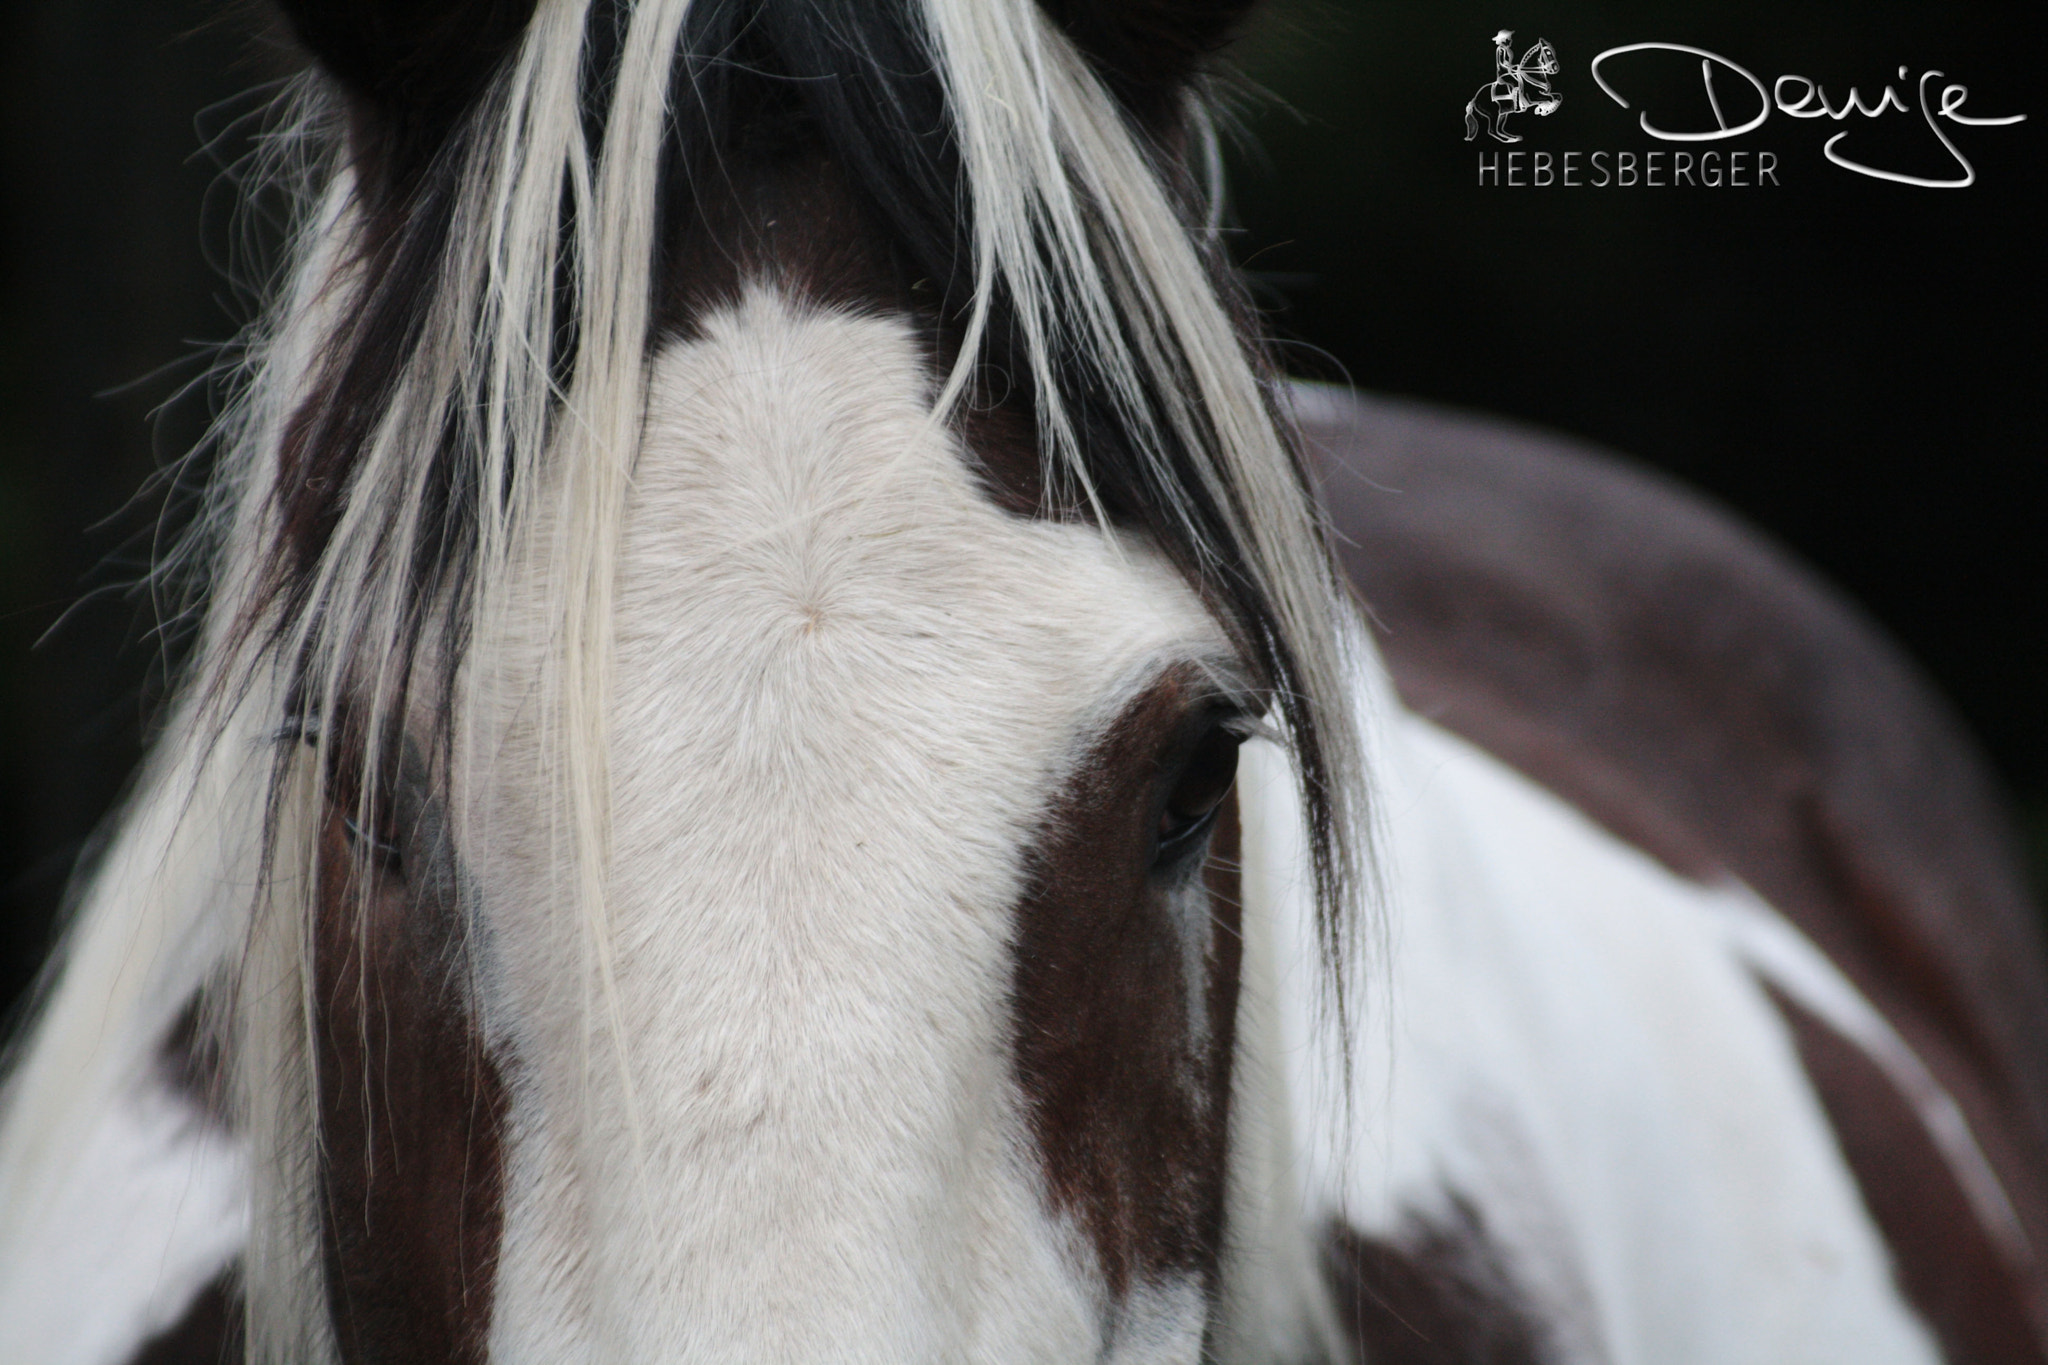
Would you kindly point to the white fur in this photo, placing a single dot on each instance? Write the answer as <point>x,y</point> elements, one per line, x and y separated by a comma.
<point>1788,960</point>
<point>1118,284</point>
<point>816,842</point>
<point>150,1208</point>
<point>1564,1034</point>
<point>765,699</point>
<point>846,686</point>
<point>814,1148</point>
<point>117,1201</point>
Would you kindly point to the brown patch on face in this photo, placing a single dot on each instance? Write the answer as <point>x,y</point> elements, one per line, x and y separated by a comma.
<point>1129,1103</point>
<point>784,212</point>
<point>1439,1294</point>
<point>411,1104</point>
<point>793,221</point>
<point>1946,1265</point>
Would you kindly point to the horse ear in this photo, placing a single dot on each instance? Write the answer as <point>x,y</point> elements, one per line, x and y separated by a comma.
<point>409,67</point>
<point>1148,50</point>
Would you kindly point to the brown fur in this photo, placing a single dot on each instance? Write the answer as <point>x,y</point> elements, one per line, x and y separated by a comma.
<point>193,1062</point>
<point>410,70</point>
<point>411,1104</point>
<point>210,1332</point>
<point>1103,1042</point>
<point>1679,681</point>
<point>1945,1261</point>
<point>797,220</point>
<point>1438,1294</point>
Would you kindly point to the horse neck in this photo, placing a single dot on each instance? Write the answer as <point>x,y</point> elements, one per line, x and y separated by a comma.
<point>152,928</point>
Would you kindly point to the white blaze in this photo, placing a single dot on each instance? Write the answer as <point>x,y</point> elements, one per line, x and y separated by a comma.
<point>845,685</point>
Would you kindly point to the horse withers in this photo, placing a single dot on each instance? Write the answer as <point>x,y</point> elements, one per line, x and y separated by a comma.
<point>779,769</point>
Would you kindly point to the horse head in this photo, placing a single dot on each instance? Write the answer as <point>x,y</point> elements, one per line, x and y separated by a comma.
<point>777,539</point>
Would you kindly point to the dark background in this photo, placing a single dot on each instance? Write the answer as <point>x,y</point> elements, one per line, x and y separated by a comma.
<point>1854,365</point>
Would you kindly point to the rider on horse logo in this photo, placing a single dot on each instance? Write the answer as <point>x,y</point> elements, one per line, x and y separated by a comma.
<point>1516,86</point>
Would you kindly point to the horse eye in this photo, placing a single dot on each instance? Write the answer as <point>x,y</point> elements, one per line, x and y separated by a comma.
<point>1198,790</point>
<point>299,728</point>
<point>377,848</point>
<point>378,845</point>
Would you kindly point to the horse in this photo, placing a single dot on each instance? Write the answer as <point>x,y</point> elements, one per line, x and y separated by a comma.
<point>1510,91</point>
<point>782,764</point>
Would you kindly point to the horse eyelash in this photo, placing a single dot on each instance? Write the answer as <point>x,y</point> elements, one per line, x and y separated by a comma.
<point>382,849</point>
<point>1250,725</point>
<point>299,730</point>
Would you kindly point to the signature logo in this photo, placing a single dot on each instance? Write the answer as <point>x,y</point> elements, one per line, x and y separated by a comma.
<point>1517,87</point>
<point>1801,98</point>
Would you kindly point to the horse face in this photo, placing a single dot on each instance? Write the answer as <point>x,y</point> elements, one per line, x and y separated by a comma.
<point>902,1027</point>
<point>913,1026</point>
